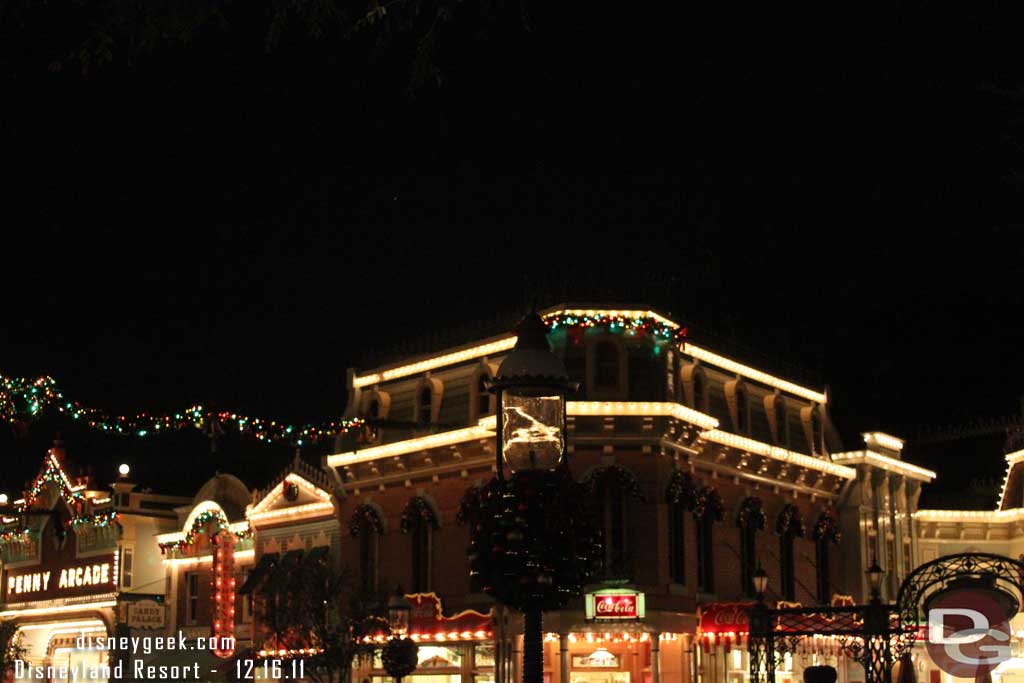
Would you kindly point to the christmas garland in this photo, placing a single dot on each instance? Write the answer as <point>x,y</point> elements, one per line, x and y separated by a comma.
<point>100,519</point>
<point>709,502</point>
<point>400,657</point>
<point>682,488</point>
<point>201,521</point>
<point>751,514</point>
<point>624,479</point>
<point>790,521</point>
<point>469,506</point>
<point>23,399</point>
<point>418,510</point>
<point>534,543</point>
<point>616,323</point>
<point>51,474</point>
<point>365,516</point>
<point>826,528</point>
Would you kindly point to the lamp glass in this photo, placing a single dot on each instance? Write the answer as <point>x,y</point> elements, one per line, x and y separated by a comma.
<point>760,581</point>
<point>398,618</point>
<point>875,574</point>
<point>532,427</point>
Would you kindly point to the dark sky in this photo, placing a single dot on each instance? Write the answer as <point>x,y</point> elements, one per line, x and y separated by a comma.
<point>215,222</point>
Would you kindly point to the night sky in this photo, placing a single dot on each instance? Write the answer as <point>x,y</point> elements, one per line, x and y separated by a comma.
<point>220,223</point>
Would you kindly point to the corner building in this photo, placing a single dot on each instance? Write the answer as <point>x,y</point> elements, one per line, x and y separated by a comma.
<point>700,468</point>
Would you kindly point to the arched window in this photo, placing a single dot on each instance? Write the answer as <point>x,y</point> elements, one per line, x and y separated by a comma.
<point>706,554</point>
<point>367,527</point>
<point>750,520</point>
<point>742,411</point>
<point>419,522</point>
<point>606,366</point>
<point>425,406</point>
<point>677,542</point>
<point>817,437</point>
<point>822,570</point>
<point>789,526</point>
<point>611,488</point>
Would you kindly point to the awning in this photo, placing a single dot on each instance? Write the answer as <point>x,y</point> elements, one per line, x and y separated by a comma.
<point>259,572</point>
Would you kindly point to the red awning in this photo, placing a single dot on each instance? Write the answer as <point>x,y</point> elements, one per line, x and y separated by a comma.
<point>428,622</point>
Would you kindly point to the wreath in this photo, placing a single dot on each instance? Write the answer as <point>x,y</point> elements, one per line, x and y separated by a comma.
<point>751,514</point>
<point>826,528</point>
<point>365,517</point>
<point>790,521</point>
<point>418,511</point>
<point>400,657</point>
<point>469,506</point>
<point>624,479</point>
<point>709,502</point>
<point>682,488</point>
<point>291,491</point>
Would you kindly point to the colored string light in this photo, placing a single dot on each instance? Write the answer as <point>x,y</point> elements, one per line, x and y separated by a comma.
<point>23,399</point>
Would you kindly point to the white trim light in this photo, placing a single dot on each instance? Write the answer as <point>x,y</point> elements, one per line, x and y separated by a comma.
<point>886,463</point>
<point>724,363</point>
<point>884,440</point>
<point>777,453</point>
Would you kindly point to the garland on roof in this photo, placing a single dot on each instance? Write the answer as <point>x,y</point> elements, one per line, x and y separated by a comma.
<point>9,535</point>
<point>618,324</point>
<point>751,515</point>
<point>99,519</point>
<point>682,489</point>
<point>826,528</point>
<point>365,516</point>
<point>23,399</point>
<point>203,519</point>
<point>790,521</point>
<point>620,476</point>
<point>51,474</point>
<point>418,510</point>
<point>709,502</point>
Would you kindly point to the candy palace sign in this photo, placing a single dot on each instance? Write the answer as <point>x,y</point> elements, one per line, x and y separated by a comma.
<point>90,575</point>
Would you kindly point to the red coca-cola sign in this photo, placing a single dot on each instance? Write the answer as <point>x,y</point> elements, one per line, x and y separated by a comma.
<point>617,606</point>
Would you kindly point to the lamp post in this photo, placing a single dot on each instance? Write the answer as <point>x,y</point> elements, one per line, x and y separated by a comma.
<point>400,654</point>
<point>531,385</point>
<point>875,574</point>
<point>761,646</point>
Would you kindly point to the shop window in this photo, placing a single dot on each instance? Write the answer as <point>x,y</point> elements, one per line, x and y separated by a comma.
<point>787,570</point>
<point>822,570</point>
<point>420,537</point>
<point>127,567</point>
<point>425,405</point>
<point>748,558</point>
<point>606,370</point>
<point>677,542</point>
<point>192,597</point>
<point>706,554</point>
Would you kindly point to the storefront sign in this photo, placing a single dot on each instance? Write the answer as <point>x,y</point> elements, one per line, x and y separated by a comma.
<point>615,604</point>
<point>82,577</point>
<point>145,614</point>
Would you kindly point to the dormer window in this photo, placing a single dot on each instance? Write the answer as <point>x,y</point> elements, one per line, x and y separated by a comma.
<point>425,406</point>
<point>739,406</point>
<point>606,362</point>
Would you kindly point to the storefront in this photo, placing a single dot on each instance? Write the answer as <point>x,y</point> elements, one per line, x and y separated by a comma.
<point>452,649</point>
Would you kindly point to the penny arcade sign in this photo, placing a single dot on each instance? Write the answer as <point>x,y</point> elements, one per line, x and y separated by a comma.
<point>74,578</point>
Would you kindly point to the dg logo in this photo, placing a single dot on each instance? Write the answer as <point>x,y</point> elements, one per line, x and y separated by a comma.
<point>968,632</point>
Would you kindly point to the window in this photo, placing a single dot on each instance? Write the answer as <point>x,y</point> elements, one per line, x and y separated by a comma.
<point>420,537</point>
<point>606,370</point>
<point>705,554</point>
<point>612,515</point>
<point>741,418</point>
<point>368,557</point>
<point>779,413</point>
<point>786,565</point>
<point>908,565</point>
<point>373,410</point>
<point>822,570</point>
<point>748,559</point>
<point>817,446</point>
<point>641,370</point>
<point>192,597</point>
<point>700,398</point>
<point>677,542</point>
<point>426,405</point>
<point>126,567</point>
<point>483,397</point>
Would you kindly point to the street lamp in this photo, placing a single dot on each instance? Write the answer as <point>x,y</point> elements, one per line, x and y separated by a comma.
<point>875,574</point>
<point>531,384</point>
<point>399,611</point>
<point>760,583</point>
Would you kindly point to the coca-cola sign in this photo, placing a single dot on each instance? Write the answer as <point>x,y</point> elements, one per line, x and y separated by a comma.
<point>615,605</point>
